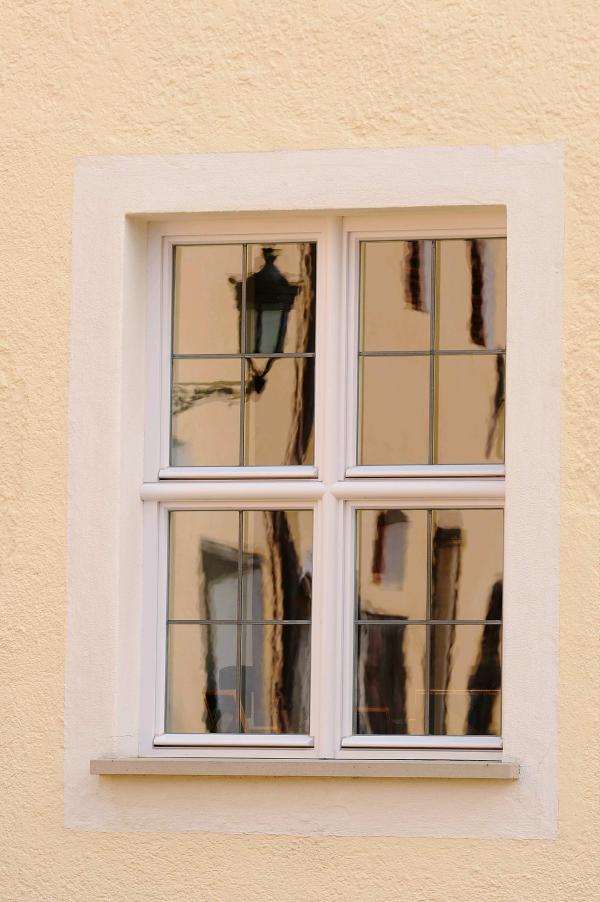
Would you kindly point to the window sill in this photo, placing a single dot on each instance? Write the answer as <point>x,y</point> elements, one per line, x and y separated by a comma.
<point>239,767</point>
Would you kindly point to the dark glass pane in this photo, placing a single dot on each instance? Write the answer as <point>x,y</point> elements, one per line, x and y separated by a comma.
<point>279,411</point>
<point>206,316</point>
<point>467,558</point>
<point>278,549</point>
<point>205,425</point>
<point>280,298</point>
<point>470,409</point>
<point>394,410</point>
<point>472,294</point>
<point>275,678</point>
<point>390,679</point>
<point>465,680</point>
<point>202,692</point>
<point>204,565</point>
<point>392,563</point>
<point>396,290</point>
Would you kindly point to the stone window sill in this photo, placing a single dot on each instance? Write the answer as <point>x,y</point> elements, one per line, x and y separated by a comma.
<point>239,767</point>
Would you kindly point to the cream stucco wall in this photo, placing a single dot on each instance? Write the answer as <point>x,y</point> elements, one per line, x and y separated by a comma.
<point>122,78</point>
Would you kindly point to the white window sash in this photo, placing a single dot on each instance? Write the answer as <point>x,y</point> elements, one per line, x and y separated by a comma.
<point>334,488</point>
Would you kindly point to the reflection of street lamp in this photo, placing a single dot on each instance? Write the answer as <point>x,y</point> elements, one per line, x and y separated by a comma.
<point>268,301</point>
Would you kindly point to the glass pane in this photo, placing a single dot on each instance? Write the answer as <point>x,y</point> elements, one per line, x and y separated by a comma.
<point>279,411</point>
<point>205,426</point>
<point>201,679</point>
<point>394,410</point>
<point>472,293</point>
<point>390,679</point>
<point>280,298</point>
<point>206,317</point>
<point>204,565</point>
<point>275,678</point>
<point>392,564</point>
<point>395,295</point>
<point>465,679</point>
<point>467,565</point>
<point>470,425</point>
<point>278,551</point>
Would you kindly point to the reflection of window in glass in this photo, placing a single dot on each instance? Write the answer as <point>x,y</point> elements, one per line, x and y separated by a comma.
<point>239,616</point>
<point>432,351</point>
<point>428,622</point>
<point>243,348</point>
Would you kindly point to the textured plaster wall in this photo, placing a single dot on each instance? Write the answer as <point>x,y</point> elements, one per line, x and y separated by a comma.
<point>131,77</point>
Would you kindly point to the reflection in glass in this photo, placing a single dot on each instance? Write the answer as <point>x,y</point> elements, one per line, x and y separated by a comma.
<point>279,411</point>
<point>205,418</point>
<point>465,680</point>
<point>275,678</point>
<point>203,565</point>
<point>390,679</point>
<point>201,678</point>
<point>260,395</point>
<point>280,298</point>
<point>472,293</point>
<point>243,675</point>
<point>396,290</point>
<point>394,410</point>
<point>392,563</point>
<point>470,409</point>
<point>462,660</point>
<point>206,319</point>
<point>467,560</point>
<point>278,550</point>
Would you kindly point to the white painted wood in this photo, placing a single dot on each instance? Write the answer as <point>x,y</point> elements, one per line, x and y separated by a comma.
<point>227,767</point>
<point>238,473</point>
<point>233,492</point>
<point>422,742</point>
<point>423,492</point>
<point>432,471</point>
<point>230,740</point>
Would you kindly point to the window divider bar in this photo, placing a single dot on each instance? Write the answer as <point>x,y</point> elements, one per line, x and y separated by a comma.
<point>235,492</point>
<point>423,492</point>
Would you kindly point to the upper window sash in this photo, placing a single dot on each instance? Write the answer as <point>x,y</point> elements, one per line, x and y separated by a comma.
<point>379,233</point>
<point>250,233</point>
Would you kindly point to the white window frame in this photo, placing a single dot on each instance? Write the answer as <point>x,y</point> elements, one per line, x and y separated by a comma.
<point>116,200</point>
<point>329,487</point>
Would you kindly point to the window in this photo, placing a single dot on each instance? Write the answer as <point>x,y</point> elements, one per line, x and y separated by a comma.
<point>325,485</point>
<point>125,208</point>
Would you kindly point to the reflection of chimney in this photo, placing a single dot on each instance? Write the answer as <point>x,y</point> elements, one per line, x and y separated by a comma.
<point>413,275</point>
<point>389,548</point>
<point>478,330</point>
<point>447,544</point>
<point>485,680</point>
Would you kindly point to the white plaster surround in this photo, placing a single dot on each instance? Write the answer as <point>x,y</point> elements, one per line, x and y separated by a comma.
<point>115,198</point>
